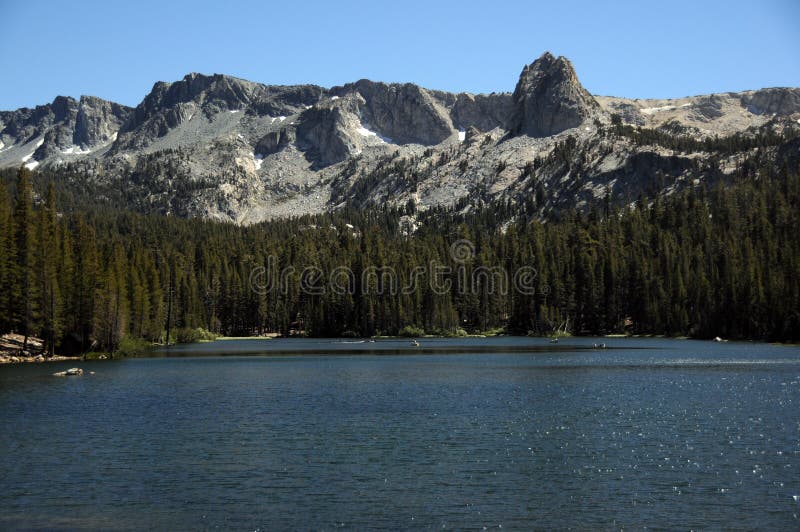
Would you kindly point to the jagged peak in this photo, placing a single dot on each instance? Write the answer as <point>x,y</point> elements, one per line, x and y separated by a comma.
<point>547,57</point>
<point>216,77</point>
<point>365,84</point>
<point>62,100</point>
<point>552,66</point>
<point>549,98</point>
<point>227,91</point>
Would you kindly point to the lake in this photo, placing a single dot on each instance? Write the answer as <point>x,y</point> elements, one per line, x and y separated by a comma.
<point>464,433</point>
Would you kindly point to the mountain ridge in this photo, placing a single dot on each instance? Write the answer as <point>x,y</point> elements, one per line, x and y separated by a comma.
<point>223,147</point>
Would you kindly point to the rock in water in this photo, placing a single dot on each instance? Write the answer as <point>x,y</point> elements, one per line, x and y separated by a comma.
<point>69,373</point>
<point>549,99</point>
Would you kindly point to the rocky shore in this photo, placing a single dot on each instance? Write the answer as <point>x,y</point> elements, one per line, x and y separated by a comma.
<point>11,351</point>
<point>17,359</point>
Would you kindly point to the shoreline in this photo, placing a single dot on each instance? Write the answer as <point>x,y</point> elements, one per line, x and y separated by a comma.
<point>11,351</point>
<point>35,359</point>
<point>13,357</point>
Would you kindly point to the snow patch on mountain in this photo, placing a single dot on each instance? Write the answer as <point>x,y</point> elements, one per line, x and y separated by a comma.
<point>654,110</point>
<point>368,133</point>
<point>36,147</point>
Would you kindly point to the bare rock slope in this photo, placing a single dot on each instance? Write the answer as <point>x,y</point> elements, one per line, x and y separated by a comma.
<point>221,147</point>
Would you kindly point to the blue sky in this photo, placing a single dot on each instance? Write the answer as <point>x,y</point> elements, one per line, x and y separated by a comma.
<point>117,50</point>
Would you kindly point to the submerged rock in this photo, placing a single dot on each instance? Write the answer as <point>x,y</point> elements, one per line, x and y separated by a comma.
<point>69,373</point>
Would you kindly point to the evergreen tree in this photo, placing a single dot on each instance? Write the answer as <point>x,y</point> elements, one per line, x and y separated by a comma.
<point>85,282</point>
<point>7,256</point>
<point>25,313</point>
<point>47,255</point>
<point>716,262</point>
<point>111,303</point>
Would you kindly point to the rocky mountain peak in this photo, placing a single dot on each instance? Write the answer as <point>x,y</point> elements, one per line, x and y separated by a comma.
<point>201,97</point>
<point>549,99</point>
<point>62,107</point>
<point>216,92</point>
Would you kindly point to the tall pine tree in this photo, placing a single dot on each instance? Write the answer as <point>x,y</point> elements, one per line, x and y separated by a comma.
<point>48,259</point>
<point>7,256</point>
<point>23,288</point>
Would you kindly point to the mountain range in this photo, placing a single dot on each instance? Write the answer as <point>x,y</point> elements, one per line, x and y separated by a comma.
<point>230,149</point>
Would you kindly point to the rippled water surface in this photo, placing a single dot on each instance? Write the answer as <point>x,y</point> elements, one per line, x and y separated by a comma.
<point>456,433</point>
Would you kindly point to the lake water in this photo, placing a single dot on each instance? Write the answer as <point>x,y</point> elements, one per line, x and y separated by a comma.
<point>466,433</point>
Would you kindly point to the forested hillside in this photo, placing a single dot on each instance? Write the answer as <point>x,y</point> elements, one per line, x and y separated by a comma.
<point>720,262</point>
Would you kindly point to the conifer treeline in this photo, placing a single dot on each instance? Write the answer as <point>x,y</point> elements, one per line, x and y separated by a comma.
<point>703,263</point>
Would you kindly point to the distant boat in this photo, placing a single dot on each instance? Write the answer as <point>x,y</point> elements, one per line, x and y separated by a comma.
<point>414,343</point>
<point>554,341</point>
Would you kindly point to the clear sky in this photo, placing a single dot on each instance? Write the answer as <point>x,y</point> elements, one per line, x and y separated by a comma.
<point>117,50</point>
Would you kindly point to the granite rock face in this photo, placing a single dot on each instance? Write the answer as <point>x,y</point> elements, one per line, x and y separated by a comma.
<point>25,124</point>
<point>549,99</point>
<point>275,141</point>
<point>481,111</point>
<point>773,101</point>
<point>169,105</point>
<point>64,127</point>
<point>708,108</point>
<point>405,113</point>
<point>325,133</point>
<point>213,93</point>
<point>98,121</point>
